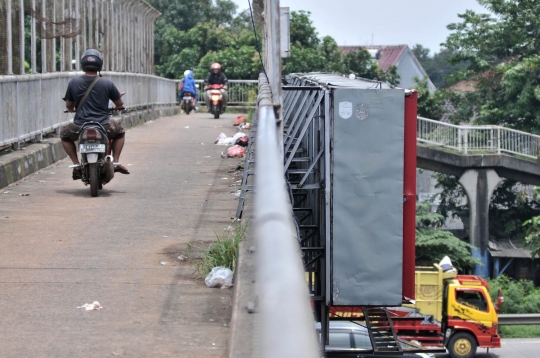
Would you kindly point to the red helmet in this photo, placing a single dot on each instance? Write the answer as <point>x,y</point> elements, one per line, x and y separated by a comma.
<point>215,66</point>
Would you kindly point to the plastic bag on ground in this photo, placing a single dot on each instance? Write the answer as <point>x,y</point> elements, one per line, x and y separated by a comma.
<point>220,137</point>
<point>226,141</point>
<point>236,152</point>
<point>239,135</point>
<point>219,277</point>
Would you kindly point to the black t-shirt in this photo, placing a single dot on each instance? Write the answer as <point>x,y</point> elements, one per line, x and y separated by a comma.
<point>96,106</point>
<point>216,79</point>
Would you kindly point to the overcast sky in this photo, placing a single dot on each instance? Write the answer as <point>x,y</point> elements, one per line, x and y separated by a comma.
<point>382,22</point>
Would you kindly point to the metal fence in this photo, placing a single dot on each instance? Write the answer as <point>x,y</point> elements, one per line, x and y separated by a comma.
<point>32,104</point>
<point>241,92</point>
<point>478,139</point>
<point>43,36</point>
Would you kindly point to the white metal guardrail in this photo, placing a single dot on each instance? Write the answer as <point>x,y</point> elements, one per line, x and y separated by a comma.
<point>478,139</point>
<point>32,105</point>
<point>519,319</point>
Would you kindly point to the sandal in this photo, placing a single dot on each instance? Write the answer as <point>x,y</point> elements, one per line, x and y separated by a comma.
<point>120,169</point>
<point>77,173</point>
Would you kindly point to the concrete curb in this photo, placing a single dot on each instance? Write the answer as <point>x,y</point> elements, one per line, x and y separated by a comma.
<point>17,165</point>
<point>244,336</point>
<point>32,157</point>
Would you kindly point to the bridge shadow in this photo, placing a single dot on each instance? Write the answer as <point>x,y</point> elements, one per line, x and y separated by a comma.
<point>85,192</point>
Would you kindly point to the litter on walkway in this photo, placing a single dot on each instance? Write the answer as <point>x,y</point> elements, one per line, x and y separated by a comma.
<point>222,139</point>
<point>236,152</point>
<point>94,306</point>
<point>239,120</point>
<point>219,277</point>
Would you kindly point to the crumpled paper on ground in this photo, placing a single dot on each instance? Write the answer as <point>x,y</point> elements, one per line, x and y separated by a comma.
<point>91,306</point>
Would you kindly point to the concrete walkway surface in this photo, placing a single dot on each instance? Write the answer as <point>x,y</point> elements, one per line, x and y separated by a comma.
<point>61,248</point>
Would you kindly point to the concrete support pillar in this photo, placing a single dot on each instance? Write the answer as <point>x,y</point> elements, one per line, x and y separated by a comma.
<point>479,184</point>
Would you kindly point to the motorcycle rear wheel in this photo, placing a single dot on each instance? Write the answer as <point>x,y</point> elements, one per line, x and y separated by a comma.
<point>215,111</point>
<point>94,179</point>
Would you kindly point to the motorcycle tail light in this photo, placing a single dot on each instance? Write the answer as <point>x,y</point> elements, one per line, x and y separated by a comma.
<point>91,134</point>
<point>215,97</point>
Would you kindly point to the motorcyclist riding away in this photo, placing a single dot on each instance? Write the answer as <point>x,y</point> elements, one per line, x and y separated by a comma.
<point>187,84</point>
<point>95,108</point>
<point>216,77</point>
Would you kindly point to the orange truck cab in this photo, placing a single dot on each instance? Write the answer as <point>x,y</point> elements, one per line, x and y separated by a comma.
<point>450,310</point>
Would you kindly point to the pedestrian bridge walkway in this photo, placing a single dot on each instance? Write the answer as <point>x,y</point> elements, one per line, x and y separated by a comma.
<point>452,149</point>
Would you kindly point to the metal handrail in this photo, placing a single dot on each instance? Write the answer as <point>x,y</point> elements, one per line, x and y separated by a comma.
<point>468,139</point>
<point>287,324</point>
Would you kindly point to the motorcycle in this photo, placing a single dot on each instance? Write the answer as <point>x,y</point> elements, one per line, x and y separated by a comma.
<point>216,100</point>
<point>97,166</point>
<point>96,161</point>
<point>188,102</point>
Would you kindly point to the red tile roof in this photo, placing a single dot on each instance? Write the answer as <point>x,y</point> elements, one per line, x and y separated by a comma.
<point>389,55</point>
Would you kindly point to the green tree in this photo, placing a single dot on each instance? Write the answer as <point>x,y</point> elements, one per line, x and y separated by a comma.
<point>185,15</point>
<point>438,67</point>
<point>432,243</point>
<point>445,105</point>
<point>359,62</point>
<point>311,54</point>
<point>237,63</point>
<point>502,50</point>
<point>304,60</point>
<point>332,55</point>
<point>302,32</point>
<point>206,43</point>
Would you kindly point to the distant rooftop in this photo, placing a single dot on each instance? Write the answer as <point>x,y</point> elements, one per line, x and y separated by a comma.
<point>386,55</point>
<point>508,248</point>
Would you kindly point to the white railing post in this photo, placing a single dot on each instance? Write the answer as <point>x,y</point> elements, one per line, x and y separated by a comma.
<point>498,140</point>
<point>466,141</point>
<point>459,139</point>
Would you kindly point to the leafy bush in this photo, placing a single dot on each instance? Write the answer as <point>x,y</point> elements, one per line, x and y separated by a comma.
<point>519,296</point>
<point>519,331</point>
<point>432,244</point>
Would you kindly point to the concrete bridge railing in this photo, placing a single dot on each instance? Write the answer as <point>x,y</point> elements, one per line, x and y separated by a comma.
<point>478,139</point>
<point>33,105</point>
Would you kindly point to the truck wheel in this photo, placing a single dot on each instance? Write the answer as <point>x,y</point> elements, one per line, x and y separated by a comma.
<point>462,345</point>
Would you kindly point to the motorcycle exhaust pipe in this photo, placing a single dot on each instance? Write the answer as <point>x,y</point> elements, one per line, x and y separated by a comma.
<point>109,168</point>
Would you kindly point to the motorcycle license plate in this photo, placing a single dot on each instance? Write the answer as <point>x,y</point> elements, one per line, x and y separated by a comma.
<point>187,99</point>
<point>92,148</point>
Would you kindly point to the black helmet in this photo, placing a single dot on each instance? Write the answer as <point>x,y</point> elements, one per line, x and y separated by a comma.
<point>92,60</point>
